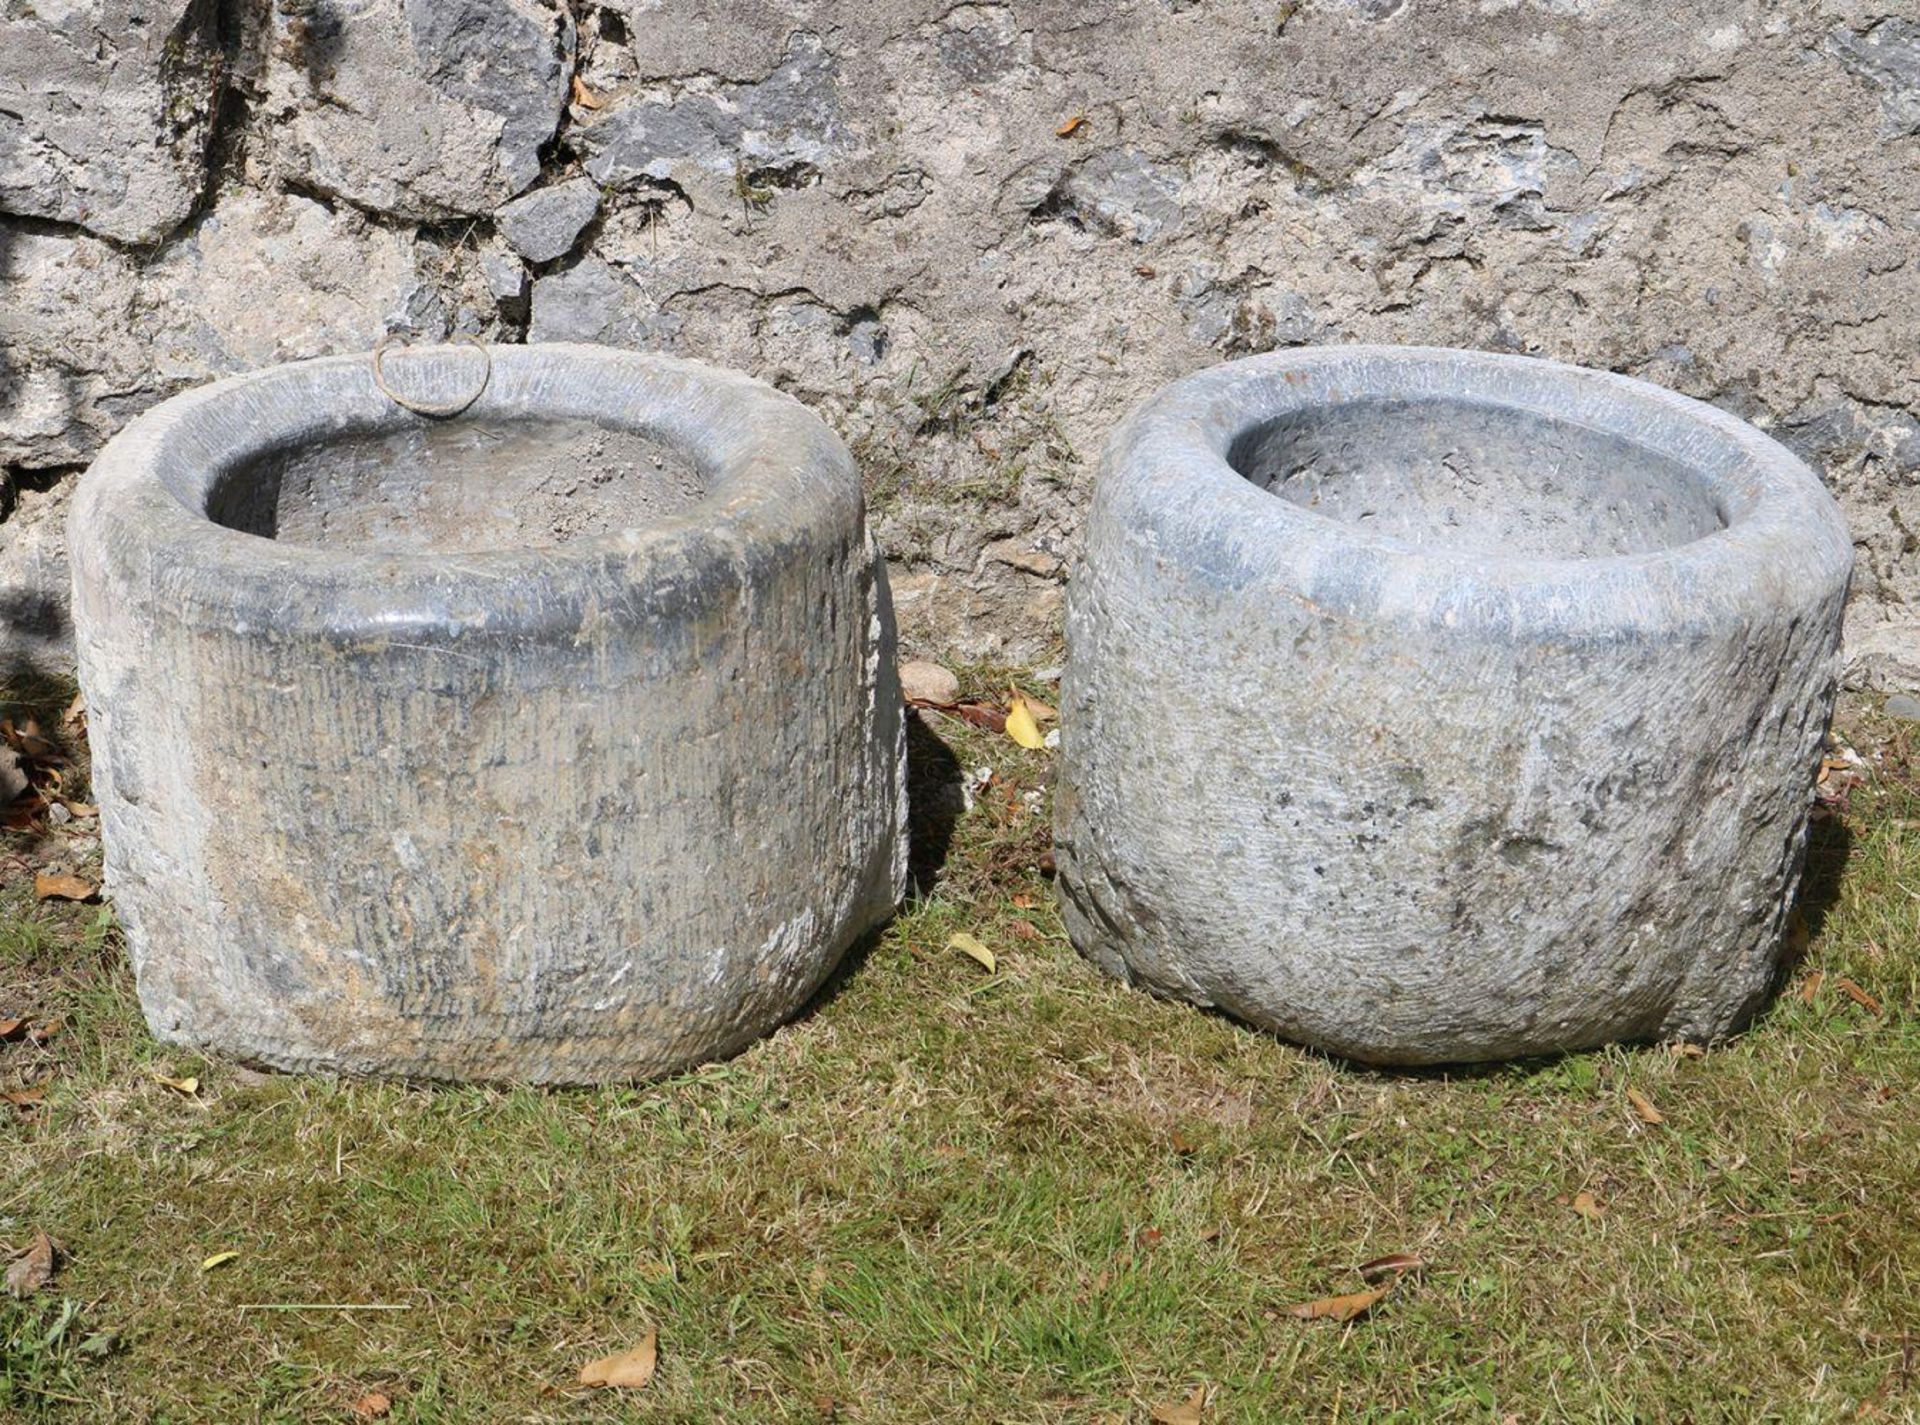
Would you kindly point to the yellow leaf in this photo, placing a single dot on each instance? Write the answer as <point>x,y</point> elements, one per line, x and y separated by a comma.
<point>968,945</point>
<point>1587,1205</point>
<point>1643,1106</point>
<point>1020,724</point>
<point>1188,1412</point>
<point>630,1369</point>
<point>218,1259</point>
<point>1340,1308</point>
<point>186,1087</point>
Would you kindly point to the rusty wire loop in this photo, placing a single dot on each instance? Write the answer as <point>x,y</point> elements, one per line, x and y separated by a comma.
<point>438,410</point>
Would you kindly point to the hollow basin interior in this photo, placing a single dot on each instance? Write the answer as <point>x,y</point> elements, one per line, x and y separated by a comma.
<point>462,486</point>
<point>1478,478</point>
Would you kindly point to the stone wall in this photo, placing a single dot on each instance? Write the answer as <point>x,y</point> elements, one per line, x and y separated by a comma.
<point>971,235</point>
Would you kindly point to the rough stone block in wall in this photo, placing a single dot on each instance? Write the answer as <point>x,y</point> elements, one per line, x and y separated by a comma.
<point>973,236</point>
<point>105,111</point>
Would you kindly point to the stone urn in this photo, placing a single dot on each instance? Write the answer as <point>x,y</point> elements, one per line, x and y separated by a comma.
<point>516,713</point>
<point>1432,706</point>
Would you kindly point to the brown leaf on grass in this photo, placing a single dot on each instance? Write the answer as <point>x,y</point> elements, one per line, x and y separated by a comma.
<point>628,1370</point>
<point>1588,1206</point>
<point>45,1030</point>
<point>26,739</point>
<point>1810,986</point>
<point>974,714</point>
<point>1859,996</point>
<point>1070,126</point>
<point>1183,1145</point>
<point>1685,1050</point>
<point>1643,1107</point>
<point>1389,1267</point>
<point>33,1268</point>
<point>1024,930</point>
<point>59,885</point>
<point>374,1405</point>
<point>1024,900</point>
<point>12,1029</point>
<point>26,1100</point>
<point>186,1088</point>
<point>1190,1411</point>
<point>1350,1307</point>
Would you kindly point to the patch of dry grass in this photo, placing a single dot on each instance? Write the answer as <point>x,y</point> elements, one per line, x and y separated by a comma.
<point>946,1195</point>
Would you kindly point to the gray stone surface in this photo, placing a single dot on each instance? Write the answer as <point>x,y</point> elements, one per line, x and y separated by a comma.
<point>544,225</point>
<point>1904,705</point>
<point>424,109</point>
<point>106,108</point>
<point>1433,706</point>
<point>872,206</point>
<point>455,774</point>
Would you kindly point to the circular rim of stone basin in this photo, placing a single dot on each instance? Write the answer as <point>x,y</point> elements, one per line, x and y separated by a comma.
<point>754,447</point>
<point>1170,466</point>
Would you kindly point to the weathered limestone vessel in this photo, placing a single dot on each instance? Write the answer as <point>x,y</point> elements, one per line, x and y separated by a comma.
<point>554,737</point>
<point>1435,706</point>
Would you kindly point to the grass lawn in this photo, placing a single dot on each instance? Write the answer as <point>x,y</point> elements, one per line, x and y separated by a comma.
<point>950,1195</point>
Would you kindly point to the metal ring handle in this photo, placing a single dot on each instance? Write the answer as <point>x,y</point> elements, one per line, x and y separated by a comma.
<point>437,410</point>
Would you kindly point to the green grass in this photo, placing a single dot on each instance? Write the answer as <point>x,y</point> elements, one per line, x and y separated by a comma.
<point>949,1196</point>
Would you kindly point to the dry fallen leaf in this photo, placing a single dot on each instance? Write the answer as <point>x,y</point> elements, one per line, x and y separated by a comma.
<point>630,1370</point>
<point>1021,726</point>
<point>58,885</point>
<point>1643,1106</point>
<point>975,714</point>
<point>218,1259</point>
<point>186,1087</point>
<point>1685,1050</point>
<point>1071,126</point>
<point>1588,1206</point>
<point>1811,986</point>
<point>1389,1267</point>
<point>585,97</point>
<point>24,1099</point>
<point>1859,996</point>
<point>1024,930</point>
<point>1341,1308</point>
<point>12,1029</point>
<point>374,1405</point>
<point>970,945</point>
<point>33,1268</point>
<point>45,1030</point>
<point>1187,1412</point>
<point>1025,900</point>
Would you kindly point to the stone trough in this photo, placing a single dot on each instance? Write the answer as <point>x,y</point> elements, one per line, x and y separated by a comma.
<point>555,738</point>
<point>1435,706</point>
